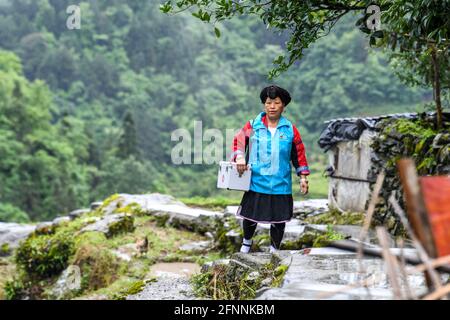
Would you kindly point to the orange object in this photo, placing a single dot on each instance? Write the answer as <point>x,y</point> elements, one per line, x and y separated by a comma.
<point>436,195</point>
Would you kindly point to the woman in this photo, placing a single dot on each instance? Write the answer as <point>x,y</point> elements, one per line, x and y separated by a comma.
<point>271,142</point>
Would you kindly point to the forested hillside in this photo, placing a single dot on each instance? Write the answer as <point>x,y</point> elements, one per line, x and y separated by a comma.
<point>88,113</point>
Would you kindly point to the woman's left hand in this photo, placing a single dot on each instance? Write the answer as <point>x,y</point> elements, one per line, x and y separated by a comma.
<point>304,188</point>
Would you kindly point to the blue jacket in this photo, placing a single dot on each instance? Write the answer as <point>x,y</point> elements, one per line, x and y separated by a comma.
<point>270,157</point>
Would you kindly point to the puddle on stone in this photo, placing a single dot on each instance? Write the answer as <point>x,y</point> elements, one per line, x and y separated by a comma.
<point>177,269</point>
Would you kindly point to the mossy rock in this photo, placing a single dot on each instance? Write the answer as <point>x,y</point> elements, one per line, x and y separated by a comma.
<point>306,240</point>
<point>112,225</point>
<point>223,241</point>
<point>122,226</point>
<point>132,209</point>
<point>336,217</point>
<point>161,219</point>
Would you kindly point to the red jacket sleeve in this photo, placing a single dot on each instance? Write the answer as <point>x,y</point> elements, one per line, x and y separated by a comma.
<point>298,154</point>
<point>241,140</point>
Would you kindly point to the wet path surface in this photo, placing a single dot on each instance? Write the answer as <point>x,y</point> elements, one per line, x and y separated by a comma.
<point>327,270</point>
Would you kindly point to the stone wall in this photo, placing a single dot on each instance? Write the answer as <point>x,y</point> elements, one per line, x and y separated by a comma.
<point>417,139</point>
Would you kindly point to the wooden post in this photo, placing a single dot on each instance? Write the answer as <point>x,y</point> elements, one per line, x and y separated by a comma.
<point>416,210</point>
<point>416,206</point>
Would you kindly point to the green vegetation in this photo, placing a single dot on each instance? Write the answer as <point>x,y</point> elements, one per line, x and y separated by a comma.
<point>7,271</point>
<point>213,203</point>
<point>233,283</point>
<point>4,249</point>
<point>313,239</point>
<point>324,240</point>
<point>334,216</point>
<point>42,257</point>
<point>135,288</point>
<point>221,227</point>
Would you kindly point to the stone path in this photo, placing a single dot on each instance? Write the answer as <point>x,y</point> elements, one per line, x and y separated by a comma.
<point>167,287</point>
<point>327,270</point>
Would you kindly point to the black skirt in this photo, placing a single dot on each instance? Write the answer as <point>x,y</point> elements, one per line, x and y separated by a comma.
<point>266,208</point>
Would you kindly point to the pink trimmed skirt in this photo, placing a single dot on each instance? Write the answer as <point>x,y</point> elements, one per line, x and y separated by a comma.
<point>266,208</point>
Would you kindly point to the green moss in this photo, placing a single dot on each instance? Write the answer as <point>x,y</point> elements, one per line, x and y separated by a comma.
<point>14,289</point>
<point>278,275</point>
<point>312,238</point>
<point>4,250</point>
<point>161,220</point>
<point>201,284</point>
<point>217,203</point>
<point>132,208</point>
<point>122,226</point>
<point>416,128</point>
<point>336,217</point>
<point>306,240</point>
<point>134,288</point>
<point>221,227</point>
<point>91,238</point>
<point>108,201</point>
<point>324,240</point>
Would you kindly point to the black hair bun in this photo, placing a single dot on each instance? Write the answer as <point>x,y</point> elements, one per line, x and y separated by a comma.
<point>274,91</point>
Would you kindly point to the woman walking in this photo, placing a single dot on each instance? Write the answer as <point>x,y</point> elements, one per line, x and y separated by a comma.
<point>269,143</point>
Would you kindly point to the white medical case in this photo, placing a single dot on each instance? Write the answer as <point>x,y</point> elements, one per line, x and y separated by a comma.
<point>228,177</point>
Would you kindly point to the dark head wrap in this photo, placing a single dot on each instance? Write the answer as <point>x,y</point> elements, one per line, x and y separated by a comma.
<point>274,91</point>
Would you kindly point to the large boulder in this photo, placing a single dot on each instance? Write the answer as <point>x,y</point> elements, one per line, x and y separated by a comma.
<point>166,208</point>
<point>146,202</point>
<point>12,233</point>
<point>112,225</point>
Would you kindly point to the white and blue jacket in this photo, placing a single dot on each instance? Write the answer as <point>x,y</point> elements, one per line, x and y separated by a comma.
<point>270,156</point>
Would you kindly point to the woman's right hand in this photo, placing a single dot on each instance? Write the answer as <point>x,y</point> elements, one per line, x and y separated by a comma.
<point>241,165</point>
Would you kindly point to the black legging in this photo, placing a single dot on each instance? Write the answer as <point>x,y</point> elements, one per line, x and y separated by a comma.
<point>276,231</point>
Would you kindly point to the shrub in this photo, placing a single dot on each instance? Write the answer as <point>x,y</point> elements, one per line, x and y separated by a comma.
<point>43,256</point>
<point>99,267</point>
